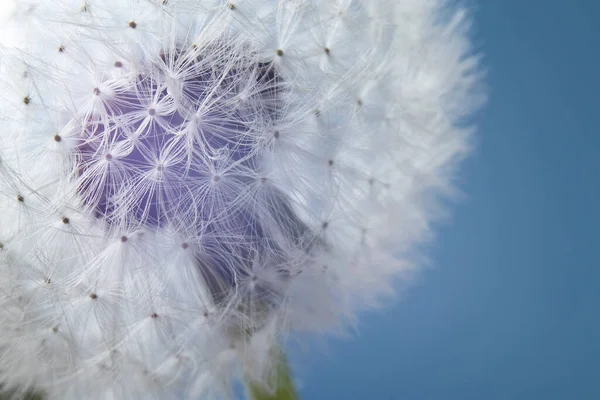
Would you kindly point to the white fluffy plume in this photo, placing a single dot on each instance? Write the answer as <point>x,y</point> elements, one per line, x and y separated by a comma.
<point>184,182</point>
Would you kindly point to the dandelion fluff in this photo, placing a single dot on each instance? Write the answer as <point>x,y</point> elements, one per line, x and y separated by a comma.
<point>184,182</point>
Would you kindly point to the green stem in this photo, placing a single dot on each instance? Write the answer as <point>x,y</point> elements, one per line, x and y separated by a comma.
<point>283,384</point>
<point>11,395</point>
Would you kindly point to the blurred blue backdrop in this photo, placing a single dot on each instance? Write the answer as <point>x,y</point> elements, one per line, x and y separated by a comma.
<point>509,309</point>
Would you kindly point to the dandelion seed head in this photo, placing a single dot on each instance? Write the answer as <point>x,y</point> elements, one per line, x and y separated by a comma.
<point>185,182</point>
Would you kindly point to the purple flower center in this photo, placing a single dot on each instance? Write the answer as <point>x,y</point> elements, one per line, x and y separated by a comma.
<point>184,153</point>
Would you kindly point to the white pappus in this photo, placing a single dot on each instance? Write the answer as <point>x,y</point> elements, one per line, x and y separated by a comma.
<point>183,183</point>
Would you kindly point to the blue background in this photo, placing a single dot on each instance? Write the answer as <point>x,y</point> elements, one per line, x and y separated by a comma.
<point>510,308</point>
